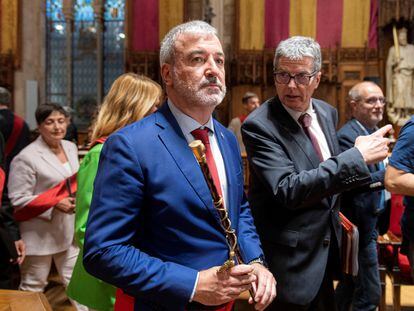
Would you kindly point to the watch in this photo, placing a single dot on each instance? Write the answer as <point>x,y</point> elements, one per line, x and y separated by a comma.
<point>259,260</point>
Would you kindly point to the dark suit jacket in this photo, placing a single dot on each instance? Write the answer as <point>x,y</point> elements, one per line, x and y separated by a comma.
<point>9,231</point>
<point>6,211</point>
<point>152,224</point>
<point>6,128</point>
<point>294,197</point>
<point>360,205</point>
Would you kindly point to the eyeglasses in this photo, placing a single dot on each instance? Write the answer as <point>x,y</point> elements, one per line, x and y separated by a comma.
<point>374,100</point>
<point>300,79</point>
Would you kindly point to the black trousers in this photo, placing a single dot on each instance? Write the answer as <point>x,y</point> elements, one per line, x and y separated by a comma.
<point>9,274</point>
<point>325,297</point>
<point>323,301</point>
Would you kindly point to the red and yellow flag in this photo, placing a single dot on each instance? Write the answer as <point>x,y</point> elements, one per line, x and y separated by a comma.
<point>343,23</point>
<point>9,28</point>
<point>151,20</point>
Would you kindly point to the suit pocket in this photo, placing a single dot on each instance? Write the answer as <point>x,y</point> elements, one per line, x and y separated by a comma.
<point>287,237</point>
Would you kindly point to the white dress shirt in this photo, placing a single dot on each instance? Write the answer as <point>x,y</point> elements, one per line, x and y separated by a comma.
<point>315,128</point>
<point>187,125</point>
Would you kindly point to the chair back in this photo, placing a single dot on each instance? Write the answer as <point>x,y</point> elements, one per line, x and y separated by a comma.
<point>397,209</point>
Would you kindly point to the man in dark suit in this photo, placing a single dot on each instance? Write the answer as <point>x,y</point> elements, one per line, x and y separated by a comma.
<point>15,130</point>
<point>16,134</point>
<point>12,247</point>
<point>153,230</point>
<point>297,171</point>
<point>363,205</point>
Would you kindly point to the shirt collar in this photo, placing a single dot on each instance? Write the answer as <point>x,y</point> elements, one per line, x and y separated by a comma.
<point>296,114</point>
<point>186,123</point>
<point>367,130</point>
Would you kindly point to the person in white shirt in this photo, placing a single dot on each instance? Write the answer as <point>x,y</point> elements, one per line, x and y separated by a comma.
<point>250,102</point>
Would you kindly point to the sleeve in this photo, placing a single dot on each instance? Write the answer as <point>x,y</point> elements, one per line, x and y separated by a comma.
<point>346,142</point>
<point>249,241</point>
<point>6,211</point>
<point>272,164</point>
<point>22,183</point>
<point>85,178</point>
<point>402,157</point>
<point>110,251</point>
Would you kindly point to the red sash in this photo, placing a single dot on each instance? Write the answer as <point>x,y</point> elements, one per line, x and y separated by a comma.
<point>14,136</point>
<point>124,302</point>
<point>224,307</point>
<point>2,180</point>
<point>47,199</point>
<point>100,140</point>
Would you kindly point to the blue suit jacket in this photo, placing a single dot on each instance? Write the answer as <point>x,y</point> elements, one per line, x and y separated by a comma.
<point>360,205</point>
<point>152,224</point>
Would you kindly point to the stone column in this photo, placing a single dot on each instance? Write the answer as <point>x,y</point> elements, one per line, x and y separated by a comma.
<point>98,8</point>
<point>67,9</point>
<point>33,54</point>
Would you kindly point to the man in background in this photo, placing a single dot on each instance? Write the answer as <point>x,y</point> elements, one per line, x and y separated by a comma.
<point>16,134</point>
<point>15,130</point>
<point>364,204</point>
<point>250,102</point>
<point>12,248</point>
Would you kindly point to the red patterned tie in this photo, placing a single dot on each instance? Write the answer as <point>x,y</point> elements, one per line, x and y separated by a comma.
<point>306,120</point>
<point>202,134</point>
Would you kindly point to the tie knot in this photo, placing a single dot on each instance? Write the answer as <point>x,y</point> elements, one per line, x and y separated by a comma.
<point>201,134</point>
<point>305,120</point>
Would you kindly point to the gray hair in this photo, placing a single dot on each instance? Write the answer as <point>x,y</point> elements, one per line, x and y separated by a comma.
<point>296,48</point>
<point>354,93</point>
<point>5,96</point>
<point>193,27</point>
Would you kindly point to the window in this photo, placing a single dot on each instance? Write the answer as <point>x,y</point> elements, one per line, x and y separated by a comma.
<point>74,75</point>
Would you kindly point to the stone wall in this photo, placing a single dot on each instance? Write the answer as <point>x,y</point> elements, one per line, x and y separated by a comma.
<point>33,53</point>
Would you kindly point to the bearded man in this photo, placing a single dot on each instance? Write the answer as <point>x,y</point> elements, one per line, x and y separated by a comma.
<point>153,230</point>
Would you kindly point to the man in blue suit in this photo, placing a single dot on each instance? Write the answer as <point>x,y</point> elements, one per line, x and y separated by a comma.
<point>153,230</point>
<point>363,205</point>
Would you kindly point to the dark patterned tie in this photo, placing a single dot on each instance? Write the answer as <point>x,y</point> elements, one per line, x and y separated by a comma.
<point>306,120</point>
<point>202,134</point>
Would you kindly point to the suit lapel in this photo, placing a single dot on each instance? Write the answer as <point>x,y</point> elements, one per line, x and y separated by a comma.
<point>326,122</point>
<point>228,158</point>
<point>72,158</point>
<point>326,127</point>
<point>173,139</point>
<point>296,131</point>
<point>50,158</point>
<point>361,132</point>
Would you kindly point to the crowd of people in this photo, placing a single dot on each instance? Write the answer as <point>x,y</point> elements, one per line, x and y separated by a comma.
<point>151,222</point>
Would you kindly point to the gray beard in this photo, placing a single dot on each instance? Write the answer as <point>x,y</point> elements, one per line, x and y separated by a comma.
<point>196,95</point>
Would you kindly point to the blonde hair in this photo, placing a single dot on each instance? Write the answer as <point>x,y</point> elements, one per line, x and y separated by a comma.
<point>130,98</point>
